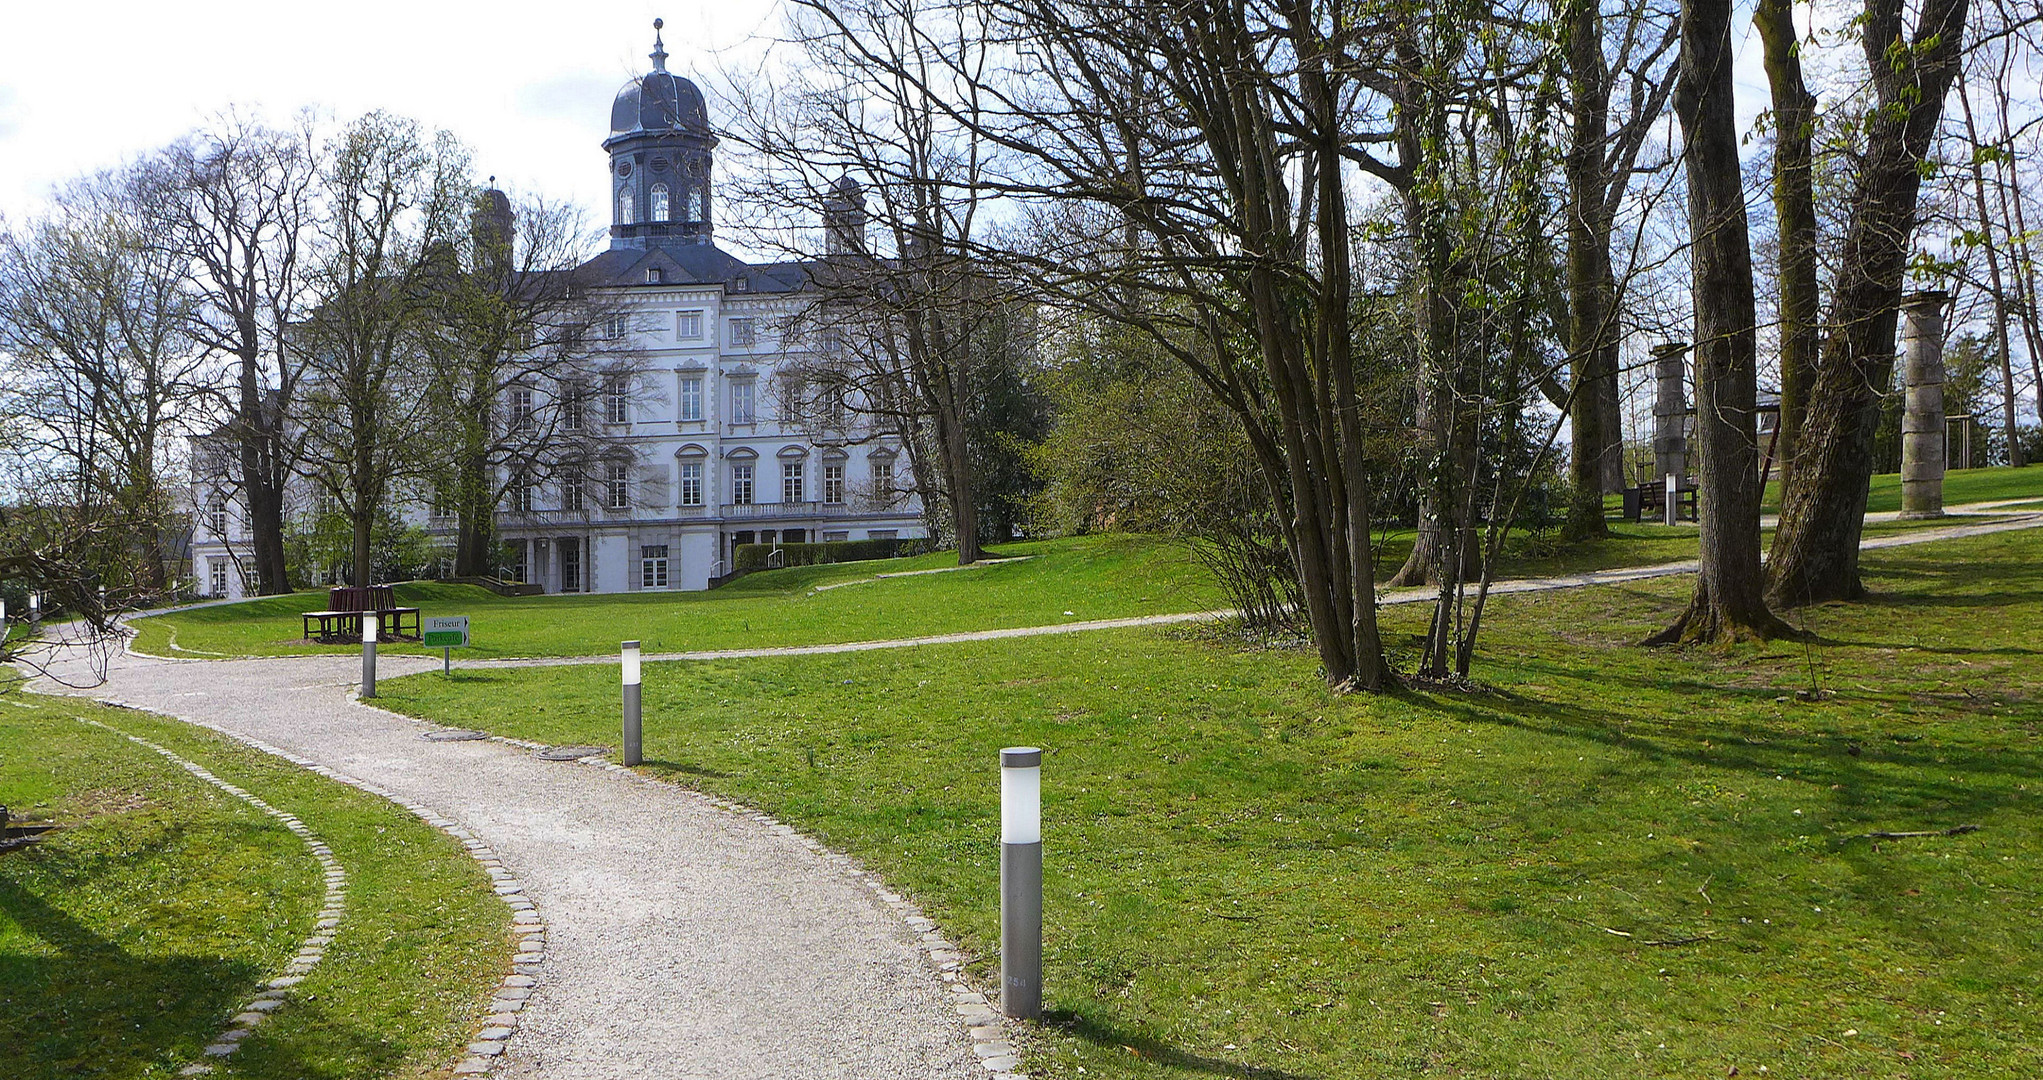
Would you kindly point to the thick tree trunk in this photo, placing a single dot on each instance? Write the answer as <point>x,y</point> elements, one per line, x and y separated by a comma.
<point>1591,285</point>
<point>1794,201</point>
<point>1728,604</point>
<point>1815,555</point>
<point>261,488</point>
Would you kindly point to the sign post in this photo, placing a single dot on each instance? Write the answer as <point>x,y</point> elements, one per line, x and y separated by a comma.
<point>449,632</point>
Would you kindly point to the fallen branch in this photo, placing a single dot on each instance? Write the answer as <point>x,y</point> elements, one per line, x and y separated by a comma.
<point>1955,830</point>
<point>1672,942</point>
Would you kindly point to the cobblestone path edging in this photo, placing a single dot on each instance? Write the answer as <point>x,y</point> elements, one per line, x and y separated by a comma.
<point>310,951</point>
<point>984,1025</point>
<point>508,1000</point>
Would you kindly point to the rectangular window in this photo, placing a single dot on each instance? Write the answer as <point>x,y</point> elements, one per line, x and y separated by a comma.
<point>691,397</point>
<point>573,486</point>
<point>573,405</point>
<point>881,534</point>
<point>522,414</point>
<point>620,487</point>
<point>743,333</point>
<point>521,493</point>
<point>652,566</point>
<point>216,575</point>
<point>741,485</point>
<point>617,398</point>
<point>687,325</point>
<point>833,484</point>
<point>219,516</point>
<point>741,401</point>
<point>883,481</point>
<point>790,481</point>
<point>836,537</point>
<point>616,327</point>
<point>794,536</point>
<point>691,483</point>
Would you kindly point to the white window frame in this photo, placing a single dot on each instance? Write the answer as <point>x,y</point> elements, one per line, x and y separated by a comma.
<point>574,490</point>
<point>688,325</point>
<point>625,205</point>
<point>524,414</point>
<point>659,196</point>
<point>217,516</point>
<point>216,576</point>
<point>691,483</point>
<point>617,486</point>
<point>652,568</point>
<point>617,398</point>
<point>521,493</point>
<point>744,401</point>
<point>691,397</point>
<point>833,485</point>
<point>744,332</point>
<point>791,481</point>
<point>741,483</point>
<point>883,481</point>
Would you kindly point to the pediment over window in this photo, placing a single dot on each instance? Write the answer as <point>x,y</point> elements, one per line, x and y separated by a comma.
<point>742,453</point>
<point>792,452</point>
<point>834,454</point>
<point>882,453</point>
<point>691,450</point>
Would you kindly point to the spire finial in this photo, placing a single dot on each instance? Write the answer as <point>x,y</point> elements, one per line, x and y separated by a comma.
<point>659,53</point>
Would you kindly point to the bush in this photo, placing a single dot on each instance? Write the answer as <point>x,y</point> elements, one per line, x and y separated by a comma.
<point>750,557</point>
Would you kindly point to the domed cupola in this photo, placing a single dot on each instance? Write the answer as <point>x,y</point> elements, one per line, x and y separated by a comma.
<point>660,156</point>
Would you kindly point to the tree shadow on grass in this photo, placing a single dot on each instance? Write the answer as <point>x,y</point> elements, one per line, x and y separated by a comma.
<point>1100,1033</point>
<point>87,1007</point>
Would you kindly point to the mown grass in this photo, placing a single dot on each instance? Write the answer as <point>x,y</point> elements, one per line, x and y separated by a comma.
<point>1612,862</point>
<point>131,934</point>
<point>1094,577</point>
<point>1960,486</point>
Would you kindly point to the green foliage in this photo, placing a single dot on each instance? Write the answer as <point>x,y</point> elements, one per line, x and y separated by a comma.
<point>751,557</point>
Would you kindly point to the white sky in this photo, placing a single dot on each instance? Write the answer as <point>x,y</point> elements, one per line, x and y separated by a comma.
<point>526,85</point>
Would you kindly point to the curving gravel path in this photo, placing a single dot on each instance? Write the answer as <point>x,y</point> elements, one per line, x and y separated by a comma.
<point>685,940</point>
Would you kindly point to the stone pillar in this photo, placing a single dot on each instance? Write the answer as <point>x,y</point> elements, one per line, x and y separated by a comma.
<point>1670,411</point>
<point>1922,418</point>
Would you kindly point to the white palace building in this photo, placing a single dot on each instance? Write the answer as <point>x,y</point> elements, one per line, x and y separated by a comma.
<point>716,464</point>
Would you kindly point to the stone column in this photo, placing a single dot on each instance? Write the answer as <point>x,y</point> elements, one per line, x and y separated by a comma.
<point>1670,411</point>
<point>1922,419</point>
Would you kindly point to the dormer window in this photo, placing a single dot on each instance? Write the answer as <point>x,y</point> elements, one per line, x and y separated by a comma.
<point>624,207</point>
<point>695,204</point>
<point>655,275</point>
<point>659,202</point>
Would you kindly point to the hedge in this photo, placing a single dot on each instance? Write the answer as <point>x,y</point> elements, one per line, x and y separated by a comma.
<point>750,557</point>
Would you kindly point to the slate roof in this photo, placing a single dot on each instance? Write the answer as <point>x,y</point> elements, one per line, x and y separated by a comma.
<point>692,264</point>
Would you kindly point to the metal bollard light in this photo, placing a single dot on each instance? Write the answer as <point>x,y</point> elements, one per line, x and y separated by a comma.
<point>35,612</point>
<point>634,731</point>
<point>1673,499</point>
<point>371,630</point>
<point>1021,882</point>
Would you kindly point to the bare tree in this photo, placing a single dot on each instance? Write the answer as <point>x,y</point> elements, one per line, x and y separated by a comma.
<point>1794,201</point>
<point>99,373</point>
<point>389,246</point>
<point>1815,553</point>
<point>1727,604</point>
<point>519,347</point>
<point>236,201</point>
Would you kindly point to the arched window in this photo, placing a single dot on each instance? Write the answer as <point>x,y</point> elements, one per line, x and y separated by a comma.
<point>659,202</point>
<point>624,207</point>
<point>695,204</point>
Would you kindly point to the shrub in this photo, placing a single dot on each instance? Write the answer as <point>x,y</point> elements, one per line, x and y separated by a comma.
<point>750,557</point>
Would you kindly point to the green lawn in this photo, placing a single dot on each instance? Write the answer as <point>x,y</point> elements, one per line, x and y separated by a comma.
<point>1094,577</point>
<point>1960,486</point>
<point>129,936</point>
<point>1615,862</point>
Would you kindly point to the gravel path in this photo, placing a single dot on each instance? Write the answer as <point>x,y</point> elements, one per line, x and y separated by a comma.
<point>686,940</point>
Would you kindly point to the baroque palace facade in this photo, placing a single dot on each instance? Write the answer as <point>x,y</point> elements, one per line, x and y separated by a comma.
<point>718,459</point>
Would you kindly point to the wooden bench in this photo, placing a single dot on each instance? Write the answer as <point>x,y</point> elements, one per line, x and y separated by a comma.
<point>341,622</point>
<point>1648,502</point>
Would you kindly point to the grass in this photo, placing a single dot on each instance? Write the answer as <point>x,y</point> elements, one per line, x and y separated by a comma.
<point>1614,862</point>
<point>1960,486</point>
<point>130,935</point>
<point>1095,577</point>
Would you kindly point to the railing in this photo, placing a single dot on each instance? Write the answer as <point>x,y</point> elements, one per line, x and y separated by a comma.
<point>766,511</point>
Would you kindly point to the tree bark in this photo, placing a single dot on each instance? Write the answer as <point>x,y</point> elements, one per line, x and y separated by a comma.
<point>1592,287</point>
<point>1815,555</point>
<point>1728,604</point>
<point>1794,201</point>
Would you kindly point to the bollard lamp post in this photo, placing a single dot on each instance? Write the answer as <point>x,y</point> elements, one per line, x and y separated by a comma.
<point>1673,499</point>
<point>371,629</point>
<point>35,612</point>
<point>634,731</point>
<point>1021,882</point>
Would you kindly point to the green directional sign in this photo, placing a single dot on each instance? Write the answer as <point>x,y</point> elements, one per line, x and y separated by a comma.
<point>446,632</point>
